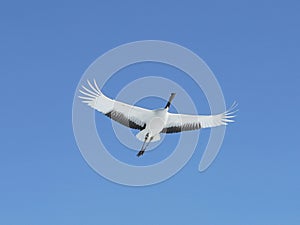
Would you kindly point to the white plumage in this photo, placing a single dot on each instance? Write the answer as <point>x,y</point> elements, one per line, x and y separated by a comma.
<point>151,122</point>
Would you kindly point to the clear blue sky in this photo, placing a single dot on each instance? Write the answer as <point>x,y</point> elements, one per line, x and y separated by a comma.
<point>253,49</point>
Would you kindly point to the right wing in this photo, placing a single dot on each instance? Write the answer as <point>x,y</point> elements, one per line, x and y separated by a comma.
<point>183,122</point>
<point>127,115</point>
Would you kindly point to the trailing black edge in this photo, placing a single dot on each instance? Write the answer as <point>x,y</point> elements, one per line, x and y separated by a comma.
<point>120,118</point>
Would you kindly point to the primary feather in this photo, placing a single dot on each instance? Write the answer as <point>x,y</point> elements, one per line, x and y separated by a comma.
<point>127,115</point>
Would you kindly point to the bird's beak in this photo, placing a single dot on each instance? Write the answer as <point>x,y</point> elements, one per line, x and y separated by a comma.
<point>172,97</point>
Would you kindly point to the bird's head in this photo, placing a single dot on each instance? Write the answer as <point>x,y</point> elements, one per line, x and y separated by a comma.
<point>170,100</point>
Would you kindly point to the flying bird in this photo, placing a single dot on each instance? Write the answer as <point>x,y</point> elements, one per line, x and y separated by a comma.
<point>150,122</point>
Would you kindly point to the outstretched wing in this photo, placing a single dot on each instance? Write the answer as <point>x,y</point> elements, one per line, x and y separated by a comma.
<point>127,115</point>
<point>182,122</point>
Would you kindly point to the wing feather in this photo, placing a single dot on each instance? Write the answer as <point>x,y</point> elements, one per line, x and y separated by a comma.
<point>183,122</point>
<point>128,115</point>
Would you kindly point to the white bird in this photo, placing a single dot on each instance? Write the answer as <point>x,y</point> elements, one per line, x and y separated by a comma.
<point>151,122</point>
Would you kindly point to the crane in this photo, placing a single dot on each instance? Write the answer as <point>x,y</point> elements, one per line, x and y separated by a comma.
<point>151,123</point>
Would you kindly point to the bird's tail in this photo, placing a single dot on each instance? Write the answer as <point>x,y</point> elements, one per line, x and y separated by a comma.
<point>141,136</point>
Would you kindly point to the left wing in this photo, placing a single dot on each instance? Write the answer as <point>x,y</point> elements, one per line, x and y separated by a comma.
<point>182,122</point>
<point>128,115</point>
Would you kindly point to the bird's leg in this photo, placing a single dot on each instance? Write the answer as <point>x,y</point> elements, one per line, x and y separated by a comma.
<point>148,142</point>
<point>142,149</point>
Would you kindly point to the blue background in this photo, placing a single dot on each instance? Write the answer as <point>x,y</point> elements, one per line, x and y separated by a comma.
<point>251,46</point>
